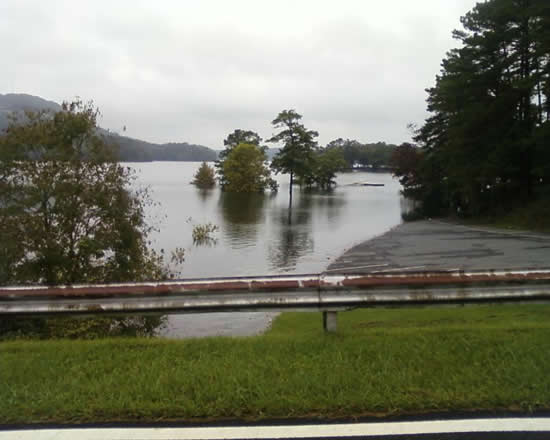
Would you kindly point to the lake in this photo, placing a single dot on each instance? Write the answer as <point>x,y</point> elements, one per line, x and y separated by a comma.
<point>256,235</point>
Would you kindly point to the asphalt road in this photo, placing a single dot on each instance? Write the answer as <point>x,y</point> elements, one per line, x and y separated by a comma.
<point>435,245</point>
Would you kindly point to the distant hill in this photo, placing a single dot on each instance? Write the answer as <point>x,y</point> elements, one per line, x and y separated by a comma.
<point>18,103</point>
<point>135,150</point>
<point>129,149</point>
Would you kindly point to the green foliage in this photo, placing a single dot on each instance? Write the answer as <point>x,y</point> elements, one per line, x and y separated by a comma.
<point>296,157</point>
<point>374,156</point>
<point>80,328</point>
<point>66,215</point>
<point>204,177</point>
<point>419,178</point>
<point>325,165</point>
<point>405,162</point>
<point>240,137</point>
<point>245,170</point>
<point>237,137</point>
<point>202,234</point>
<point>485,142</point>
<point>64,200</point>
<point>532,216</point>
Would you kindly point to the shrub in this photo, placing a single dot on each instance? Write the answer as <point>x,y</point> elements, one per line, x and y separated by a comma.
<point>202,234</point>
<point>205,177</point>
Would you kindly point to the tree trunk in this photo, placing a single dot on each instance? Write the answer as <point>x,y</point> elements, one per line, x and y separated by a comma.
<point>290,189</point>
<point>290,199</point>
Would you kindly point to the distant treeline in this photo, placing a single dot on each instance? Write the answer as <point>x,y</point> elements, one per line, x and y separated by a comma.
<point>485,148</point>
<point>376,156</point>
<point>135,150</point>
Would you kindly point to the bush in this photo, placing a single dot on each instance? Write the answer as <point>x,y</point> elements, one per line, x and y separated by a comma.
<point>204,177</point>
<point>202,234</point>
<point>67,217</point>
<point>81,327</point>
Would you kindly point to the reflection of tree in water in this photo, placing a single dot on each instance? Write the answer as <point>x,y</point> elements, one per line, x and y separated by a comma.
<point>327,203</point>
<point>242,214</point>
<point>294,238</point>
<point>205,194</point>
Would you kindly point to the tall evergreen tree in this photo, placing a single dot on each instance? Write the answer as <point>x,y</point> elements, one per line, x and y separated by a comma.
<point>483,143</point>
<point>299,146</point>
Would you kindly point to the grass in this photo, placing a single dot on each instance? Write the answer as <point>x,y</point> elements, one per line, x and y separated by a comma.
<point>533,216</point>
<point>381,362</point>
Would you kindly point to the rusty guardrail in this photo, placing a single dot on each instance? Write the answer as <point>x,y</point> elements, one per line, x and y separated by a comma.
<point>319,292</point>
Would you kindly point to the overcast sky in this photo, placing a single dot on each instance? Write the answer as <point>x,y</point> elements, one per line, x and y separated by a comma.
<point>194,71</point>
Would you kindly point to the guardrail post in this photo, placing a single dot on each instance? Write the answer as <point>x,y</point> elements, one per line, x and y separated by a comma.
<point>330,321</point>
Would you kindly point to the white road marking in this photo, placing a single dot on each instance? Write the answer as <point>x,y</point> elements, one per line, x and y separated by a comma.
<point>274,432</point>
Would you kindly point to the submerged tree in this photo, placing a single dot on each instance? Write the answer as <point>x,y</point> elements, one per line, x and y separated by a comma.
<point>326,164</point>
<point>204,178</point>
<point>299,145</point>
<point>237,137</point>
<point>245,170</point>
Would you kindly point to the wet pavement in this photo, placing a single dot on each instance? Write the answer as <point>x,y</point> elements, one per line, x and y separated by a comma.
<point>437,245</point>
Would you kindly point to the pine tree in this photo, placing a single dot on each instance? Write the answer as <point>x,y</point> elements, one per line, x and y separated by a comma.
<point>299,145</point>
<point>204,178</point>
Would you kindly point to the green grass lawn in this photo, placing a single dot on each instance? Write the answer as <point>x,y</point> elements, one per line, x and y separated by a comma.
<point>380,362</point>
<point>533,216</point>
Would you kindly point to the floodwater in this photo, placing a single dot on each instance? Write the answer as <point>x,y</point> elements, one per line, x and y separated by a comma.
<point>258,235</point>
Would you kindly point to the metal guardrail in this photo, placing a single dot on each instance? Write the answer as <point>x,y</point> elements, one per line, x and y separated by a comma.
<point>321,292</point>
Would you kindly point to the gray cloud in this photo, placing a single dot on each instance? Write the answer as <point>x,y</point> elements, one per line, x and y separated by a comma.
<point>185,70</point>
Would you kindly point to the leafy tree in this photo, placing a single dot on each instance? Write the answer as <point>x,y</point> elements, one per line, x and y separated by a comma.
<point>65,200</point>
<point>66,214</point>
<point>245,170</point>
<point>405,162</point>
<point>237,137</point>
<point>375,155</point>
<point>240,137</point>
<point>326,164</point>
<point>204,177</point>
<point>350,149</point>
<point>299,145</point>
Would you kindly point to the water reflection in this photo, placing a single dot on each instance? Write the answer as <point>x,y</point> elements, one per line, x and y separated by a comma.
<point>243,215</point>
<point>205,194</point>
<point>293,238</point>
<point>255,237</point>
<point>328,204</point>
<point>288,232</point>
